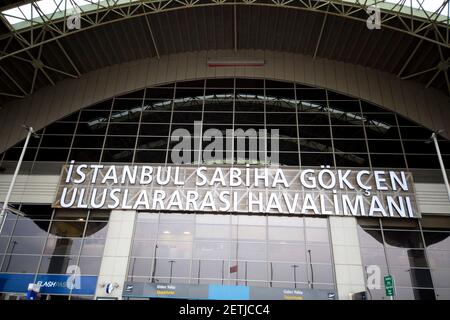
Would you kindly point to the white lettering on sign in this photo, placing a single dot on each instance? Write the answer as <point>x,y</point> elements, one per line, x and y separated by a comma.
<point>246,189</point>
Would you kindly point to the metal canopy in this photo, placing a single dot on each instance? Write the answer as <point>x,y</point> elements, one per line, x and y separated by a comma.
<point>38,49</point>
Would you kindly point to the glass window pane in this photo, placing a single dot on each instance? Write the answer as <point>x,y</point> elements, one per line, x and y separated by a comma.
<point>99,215</point>
<point>20,263</point>
<point>93,247</point>
<point>403,239</point>
<point>143,248</point>
<point>173,249</point>
<point>62,246</point>
<point>170,269</point>
<point>373,256</point>
<point>248,233</point>
<point>211,250</point>
<point>70,214</point>
<point>37,211</point>
<point>316,235</point>
<point>320,273</point>
<point>67,228</point>
<point>370,238</point>
<point>89,265</point>
<point>248,251</point>
<point>439,258</point>
<point>31,228</point>
<point>97,230</point>
<point>285,233</point>
<point>283,251</point>
<point>208,231</point>
<point>288,273</point>
<point>3,244</point>
<point>8,227</point>
<point>56,264</point>
<point>25,245</point>
<point>140,267</point>
<point>406,257</point>
<point>411,277</point>
<point>145,230</point>
<point>176,231</point>
<point>209,269</point>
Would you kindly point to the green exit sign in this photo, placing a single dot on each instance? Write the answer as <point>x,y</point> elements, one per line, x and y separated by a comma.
<point>389,285</point>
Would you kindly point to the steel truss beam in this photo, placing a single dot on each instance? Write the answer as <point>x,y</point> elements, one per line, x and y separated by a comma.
<point>410,24</point>
<point>51,29</point>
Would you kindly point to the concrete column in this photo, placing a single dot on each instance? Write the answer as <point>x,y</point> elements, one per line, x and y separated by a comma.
<point>113,269</point>
<point>347,256</point>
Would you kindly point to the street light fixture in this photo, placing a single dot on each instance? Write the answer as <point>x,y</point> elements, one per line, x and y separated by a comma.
<point>433,139</point>
<point>295,266</point>
<point>16,173</point>
<point>171,269</point>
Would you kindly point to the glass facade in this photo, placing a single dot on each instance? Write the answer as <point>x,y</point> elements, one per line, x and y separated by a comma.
<point>46,241</point>
<point>316,127</point>
<point>415,253</point>
<point>264,251</point>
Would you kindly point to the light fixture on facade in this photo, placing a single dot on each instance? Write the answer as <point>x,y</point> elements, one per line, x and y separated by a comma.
<point>166,232</point>
<point>235,62</point>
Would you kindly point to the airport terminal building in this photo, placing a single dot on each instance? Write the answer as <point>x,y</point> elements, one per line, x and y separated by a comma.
<point>216,150</point>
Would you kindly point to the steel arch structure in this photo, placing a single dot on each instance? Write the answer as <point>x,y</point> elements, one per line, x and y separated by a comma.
<point>432,28</point>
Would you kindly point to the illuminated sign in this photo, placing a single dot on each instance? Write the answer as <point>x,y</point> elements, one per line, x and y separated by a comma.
<point>245,189</point>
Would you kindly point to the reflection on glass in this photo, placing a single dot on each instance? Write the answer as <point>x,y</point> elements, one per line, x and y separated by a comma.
<point>145,230</point>
<point>285,234</point>
<point>89,265</point>
<point>97,230</point>
<point>316,235</point>
<point>143,248</point>
<point>373,256</point>
<point>176,231</point>
<point>56,264</point>
<point>20,263</point>
<point>403,239</point>
<point>171,268</point>
<point>406,257</point>
<point>8,227</point>
<point>284,251</point>
<point>140,267</point>
<point>256,243</point>
<point>62,246</point>
<point>412,277</point>
<point>70,214</point>
<point>437,240</point>
<point>93,247</point>
<point>205,270</point>
<point>439,258</point>
<point>31,228</point>
<point>211,250</point>
<point>173,249</point>
<point>42,212</point>
<point>370,238</point>
<point>25,245</point>
<point>67,228</point>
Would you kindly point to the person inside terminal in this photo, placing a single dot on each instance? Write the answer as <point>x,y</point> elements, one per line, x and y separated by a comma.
<point>215,151</point>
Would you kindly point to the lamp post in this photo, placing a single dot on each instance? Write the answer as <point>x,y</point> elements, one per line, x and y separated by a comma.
<point>312,270</point>
<point>171,269</point>
<point>294,267</point>
<point>13,181</point>
<point>441,162</point>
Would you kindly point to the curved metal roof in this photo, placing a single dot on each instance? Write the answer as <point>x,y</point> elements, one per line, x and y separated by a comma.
<point>37,48</point>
